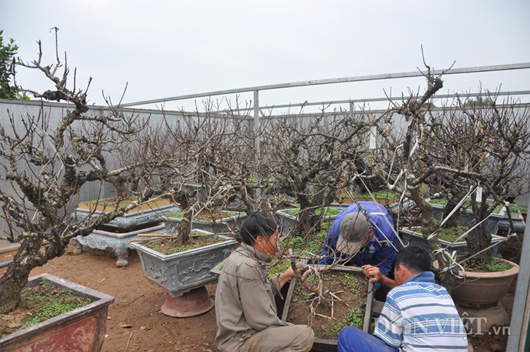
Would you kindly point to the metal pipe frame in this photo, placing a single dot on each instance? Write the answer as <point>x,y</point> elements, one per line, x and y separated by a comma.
<point>385,76</point>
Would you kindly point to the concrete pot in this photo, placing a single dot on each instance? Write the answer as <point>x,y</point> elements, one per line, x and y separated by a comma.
<point>183,275</point>
<point>82,329</point>
<point>116,234</point>
<point>496,223</point>
<point>408,235</point>
<point>145,214</point>
<point>289,221</point>
<point>118,242</point>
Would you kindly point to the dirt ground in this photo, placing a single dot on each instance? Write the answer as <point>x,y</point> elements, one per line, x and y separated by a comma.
<point>135,322</point>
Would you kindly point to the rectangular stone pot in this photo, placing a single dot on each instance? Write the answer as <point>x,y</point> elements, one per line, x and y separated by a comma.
<point>119,242</point>
<point>81,330</point>
<point>182,272</point>
<point>147,213</point>
<point>289,221</point>
<point>497,222</point>
<point>460,247</point>
<point>328,345</point>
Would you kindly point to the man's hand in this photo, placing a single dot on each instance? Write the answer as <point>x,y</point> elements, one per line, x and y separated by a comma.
<point>286,276</point>
<point>375,276</point>
<point>373,273</point>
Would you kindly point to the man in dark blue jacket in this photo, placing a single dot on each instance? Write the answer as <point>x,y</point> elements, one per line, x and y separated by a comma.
<point>363,234</point>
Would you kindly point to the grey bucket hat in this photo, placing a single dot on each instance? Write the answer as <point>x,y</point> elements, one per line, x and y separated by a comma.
<point>353,230</point>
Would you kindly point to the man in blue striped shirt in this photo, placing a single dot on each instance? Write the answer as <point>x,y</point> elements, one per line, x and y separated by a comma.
<point>418,315</point>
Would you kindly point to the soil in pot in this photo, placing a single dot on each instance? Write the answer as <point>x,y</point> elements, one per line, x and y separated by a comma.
<point>451,234</point>
<point>207,216</point>
<point>382,197</point>
<point>328,211</point>
<point>40,303</point>
<point>168,246</point>
<point>343,303</point>
<point>108,204</point>
<point>495,265</point>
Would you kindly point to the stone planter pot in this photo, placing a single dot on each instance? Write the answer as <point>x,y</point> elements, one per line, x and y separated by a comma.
<point>228,224</point>
<point>329,345</point>
<point>497,222</point>
<point>194,190</point>
<point>118,242</point>
<point>460,247</point>
<point>82,329</point>
<point>145,214</point>
<point>518,220</point>
<point>289,221</point>
<point>183,275</point>
<point>481,289</point>
<point>116,234</point>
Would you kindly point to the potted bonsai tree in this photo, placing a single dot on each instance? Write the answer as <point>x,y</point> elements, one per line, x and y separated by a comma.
<point>198,151</point>
<point>45,165</point>
<point>312,157</point>
<point>450,152</point>
<point>492,146</point>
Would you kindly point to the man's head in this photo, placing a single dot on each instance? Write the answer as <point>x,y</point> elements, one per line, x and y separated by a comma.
<point>354,233</point>
<point>260,230</point>
<point>410,261</point>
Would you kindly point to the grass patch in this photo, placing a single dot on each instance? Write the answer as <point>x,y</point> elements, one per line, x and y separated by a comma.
<point>39,303</point>
<point>300,246</point>
<point>175,215</point>
<point>495,265</point>
<point>304,245</point>
<point>328,211</point>
<point>451,234</point>
<point>377,195</point>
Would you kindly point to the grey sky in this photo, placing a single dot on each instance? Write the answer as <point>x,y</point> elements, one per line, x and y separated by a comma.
<point>170,48</point>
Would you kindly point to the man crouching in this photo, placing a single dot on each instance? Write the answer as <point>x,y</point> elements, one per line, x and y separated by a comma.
<point>245,308</point>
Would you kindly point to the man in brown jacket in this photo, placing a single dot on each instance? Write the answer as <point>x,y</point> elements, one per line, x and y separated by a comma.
<point>244,302</point>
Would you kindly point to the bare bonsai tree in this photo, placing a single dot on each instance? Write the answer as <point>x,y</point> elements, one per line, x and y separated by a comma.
<point>202,152</point>
<point>45,165</point>
<point>490,144</point>
<point>312,156</point>
<point>452,152</point>
<point>399,163</point>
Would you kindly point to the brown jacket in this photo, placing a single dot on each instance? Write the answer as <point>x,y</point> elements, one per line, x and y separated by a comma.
<point>244,301</point>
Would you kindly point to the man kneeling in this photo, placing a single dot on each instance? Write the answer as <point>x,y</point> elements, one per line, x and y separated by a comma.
<point>418,315</point>
<point>245,308</point>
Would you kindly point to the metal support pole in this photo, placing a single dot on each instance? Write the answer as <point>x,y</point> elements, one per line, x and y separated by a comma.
<point>521,306</point>
<point>256,125</point>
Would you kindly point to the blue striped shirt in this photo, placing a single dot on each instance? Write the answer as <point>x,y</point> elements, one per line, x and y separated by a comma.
<point>421,316</point>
